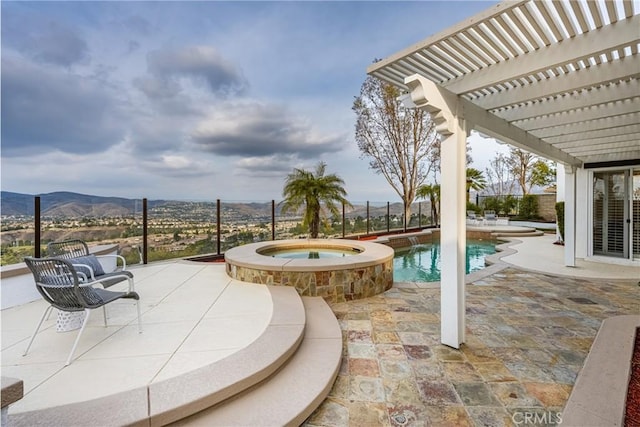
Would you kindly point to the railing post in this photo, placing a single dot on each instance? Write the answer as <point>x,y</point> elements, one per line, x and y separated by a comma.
<point>145,236</point>
<point>343,221</point>
<point>419,214</point>
<point>36,227</point>
<point>368,217</point>
<point>388,218</point>
<point>218,226</point>
<point>273,220</point>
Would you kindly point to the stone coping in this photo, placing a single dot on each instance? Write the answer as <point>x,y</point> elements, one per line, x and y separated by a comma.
<point>247,255</point>
<point>13,270</point>
<point>599,395</point>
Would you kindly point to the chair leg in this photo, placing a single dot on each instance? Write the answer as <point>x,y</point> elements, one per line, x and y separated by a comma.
<point>104,314</point>
<point>46,312</point>
<point>131,285</point>
<point>75,344</point>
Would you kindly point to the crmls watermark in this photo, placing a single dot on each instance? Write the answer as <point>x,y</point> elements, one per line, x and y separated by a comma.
<point>533,418</point>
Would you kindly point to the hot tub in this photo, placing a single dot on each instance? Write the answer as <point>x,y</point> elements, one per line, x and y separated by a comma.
<point>361,269</point>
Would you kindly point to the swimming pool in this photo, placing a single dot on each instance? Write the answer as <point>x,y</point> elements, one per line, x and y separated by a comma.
<point>421,263</point>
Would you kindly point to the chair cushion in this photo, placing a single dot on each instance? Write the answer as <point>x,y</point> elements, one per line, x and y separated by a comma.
<point>92,262</point>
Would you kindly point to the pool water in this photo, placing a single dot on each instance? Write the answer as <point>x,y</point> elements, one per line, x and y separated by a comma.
<point>421,263</point>
<point>303,253</point>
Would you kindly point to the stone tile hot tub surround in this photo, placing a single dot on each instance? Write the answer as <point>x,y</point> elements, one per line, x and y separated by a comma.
<point>361,275</point>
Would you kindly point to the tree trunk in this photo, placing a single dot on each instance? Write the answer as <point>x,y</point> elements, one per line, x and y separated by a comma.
<point>407,214</point>
<point>315,225</point>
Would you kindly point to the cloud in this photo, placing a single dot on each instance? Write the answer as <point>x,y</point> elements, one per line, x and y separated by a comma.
<point>257,130</point>
<point>200,64</point>
<point>176,166</point>
<point>157,88</point>
<point>266,167</point>
<point>50,43</point>
<point>46,109</point>
<point>136,24</point>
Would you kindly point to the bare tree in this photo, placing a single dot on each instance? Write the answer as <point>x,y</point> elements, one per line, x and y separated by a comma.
<point>499,176</point>
<point>401,143</point>
<point>529,169</point>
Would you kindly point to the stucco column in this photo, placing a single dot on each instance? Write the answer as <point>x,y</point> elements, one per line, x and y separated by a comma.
<point>453,236</point>
<point>446,112</point>
<point>570,216</point>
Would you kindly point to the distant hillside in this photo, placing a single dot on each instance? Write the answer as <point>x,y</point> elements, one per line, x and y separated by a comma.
<point>65,204</point>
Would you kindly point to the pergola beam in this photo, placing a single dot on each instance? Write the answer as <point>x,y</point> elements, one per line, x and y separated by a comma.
<point>573,101</point>
<point>613,156</point>
<point>627,106</point>
<point>480,119</point>
<point>603,134</point>
<point>599,148</point>
<point>586,126</point>
<point>622,69</point>
<point>593,43</point>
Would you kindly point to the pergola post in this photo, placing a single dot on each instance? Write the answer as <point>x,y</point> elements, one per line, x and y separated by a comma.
<point>453,236</point>
<point>570,216</point>
<point>446,113</point>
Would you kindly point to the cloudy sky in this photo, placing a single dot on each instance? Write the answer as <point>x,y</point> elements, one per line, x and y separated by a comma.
<point>196,100</point>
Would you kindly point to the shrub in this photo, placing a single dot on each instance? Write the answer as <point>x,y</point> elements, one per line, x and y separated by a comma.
<point>528,207</point>
<point>560,218</point>
<point>509,204</point>
<point>473,207</point>
<point>492,204</point>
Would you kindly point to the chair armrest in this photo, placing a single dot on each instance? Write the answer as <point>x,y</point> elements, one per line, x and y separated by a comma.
<point>120,257</point>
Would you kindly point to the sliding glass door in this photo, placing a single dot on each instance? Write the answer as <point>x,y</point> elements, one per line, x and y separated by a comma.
<point>616,213</point>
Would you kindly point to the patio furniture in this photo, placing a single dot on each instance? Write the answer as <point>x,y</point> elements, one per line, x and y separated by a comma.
<point>472,218</point>
<point>60,284</point>
<point>490,217</point>
<point>89,265</point>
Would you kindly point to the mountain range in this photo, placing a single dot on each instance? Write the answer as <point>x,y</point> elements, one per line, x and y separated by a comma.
<point>64,204</point>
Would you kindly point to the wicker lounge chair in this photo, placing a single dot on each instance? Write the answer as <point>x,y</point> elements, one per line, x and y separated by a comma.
<point>490,217</point>
<point>60,284</point>
<point>78,253</point>
<point>472,218</point>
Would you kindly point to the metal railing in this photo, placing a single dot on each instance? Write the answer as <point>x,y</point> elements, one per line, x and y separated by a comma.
<point>153,230</point>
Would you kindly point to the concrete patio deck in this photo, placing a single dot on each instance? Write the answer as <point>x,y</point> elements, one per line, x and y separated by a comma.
<point>192,315</point>
<point>528,334</point>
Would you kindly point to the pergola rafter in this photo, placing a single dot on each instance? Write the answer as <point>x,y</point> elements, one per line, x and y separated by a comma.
<point>558,71</point>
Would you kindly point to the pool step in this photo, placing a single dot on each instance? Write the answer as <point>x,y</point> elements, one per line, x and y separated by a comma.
<point>289,396</point>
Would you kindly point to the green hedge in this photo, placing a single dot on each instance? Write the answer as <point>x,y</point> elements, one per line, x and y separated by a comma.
<point>560,218</point>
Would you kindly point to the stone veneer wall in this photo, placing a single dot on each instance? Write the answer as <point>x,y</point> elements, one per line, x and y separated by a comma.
<point>547,206</point>
<point>334,286</point>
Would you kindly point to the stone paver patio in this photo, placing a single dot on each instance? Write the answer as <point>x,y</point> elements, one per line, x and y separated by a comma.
<point>527,337</point>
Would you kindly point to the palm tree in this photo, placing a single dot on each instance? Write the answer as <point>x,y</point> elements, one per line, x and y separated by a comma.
<point>311,190</point>
<point>431,192</point>
<point>475,181</point>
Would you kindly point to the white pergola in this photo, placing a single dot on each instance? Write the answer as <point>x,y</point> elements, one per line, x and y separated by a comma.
<point>558,78</point>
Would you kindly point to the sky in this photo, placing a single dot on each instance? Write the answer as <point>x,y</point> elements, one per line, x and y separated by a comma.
<point>198,100</point>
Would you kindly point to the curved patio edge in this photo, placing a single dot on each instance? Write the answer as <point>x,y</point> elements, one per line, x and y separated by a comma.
<point>178,397</point>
